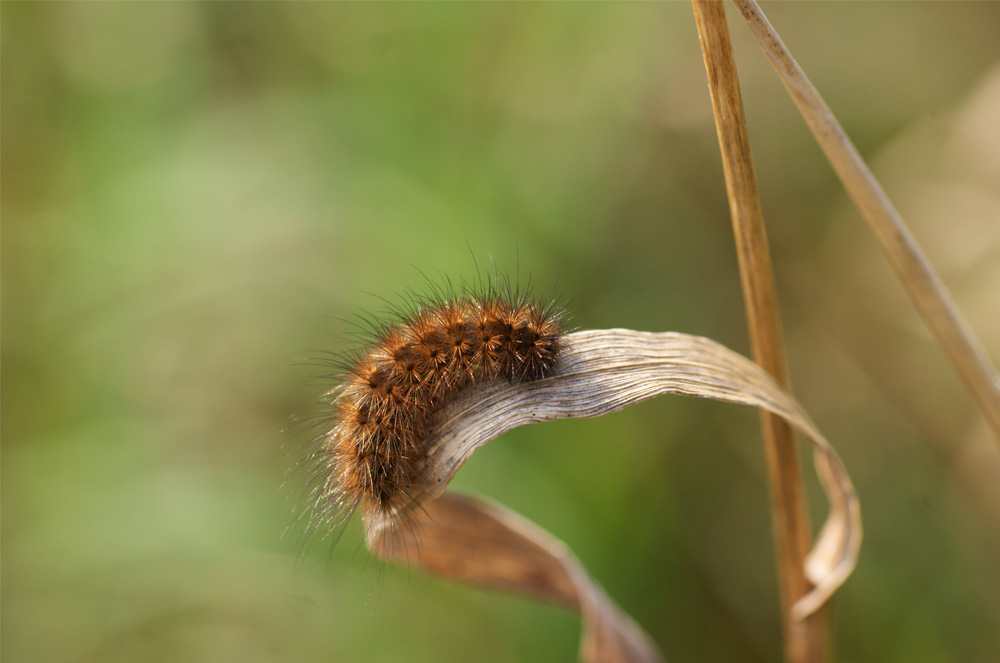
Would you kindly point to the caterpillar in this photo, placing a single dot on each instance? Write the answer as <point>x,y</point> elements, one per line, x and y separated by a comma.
<point>370,455</point>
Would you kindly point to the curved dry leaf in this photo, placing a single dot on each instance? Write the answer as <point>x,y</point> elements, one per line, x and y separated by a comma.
<point>604,371</point>
<point>463,538</point>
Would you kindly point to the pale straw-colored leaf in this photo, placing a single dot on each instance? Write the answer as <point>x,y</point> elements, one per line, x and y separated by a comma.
<point>604,371</point>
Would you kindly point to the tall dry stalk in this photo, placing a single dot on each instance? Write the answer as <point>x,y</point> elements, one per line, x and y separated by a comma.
<point>805,639</point>
<point>925,288</point>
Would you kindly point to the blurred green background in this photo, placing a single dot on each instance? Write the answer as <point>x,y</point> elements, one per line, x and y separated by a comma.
<point>193,194</point>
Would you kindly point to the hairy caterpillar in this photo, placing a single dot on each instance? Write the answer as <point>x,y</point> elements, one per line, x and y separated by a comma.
<point>370,455</point>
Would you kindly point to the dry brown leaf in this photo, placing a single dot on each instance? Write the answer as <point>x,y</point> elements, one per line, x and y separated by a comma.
<point>463,538</point>
<point>599,372</point>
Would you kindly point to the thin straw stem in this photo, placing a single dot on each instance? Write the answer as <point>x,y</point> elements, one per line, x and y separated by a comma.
<point>929,295</point>
<point>805,640</point>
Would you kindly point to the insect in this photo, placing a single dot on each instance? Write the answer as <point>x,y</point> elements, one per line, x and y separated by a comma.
<point>370,456</point>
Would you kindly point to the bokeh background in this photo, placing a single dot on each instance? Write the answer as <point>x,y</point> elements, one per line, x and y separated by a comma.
<point>195,195</point>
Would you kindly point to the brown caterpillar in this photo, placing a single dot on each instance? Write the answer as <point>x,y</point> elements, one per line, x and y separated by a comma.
<point>371,453</point>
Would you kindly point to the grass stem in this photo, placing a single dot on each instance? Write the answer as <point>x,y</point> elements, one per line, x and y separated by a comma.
<point>926,290</point>
<point>805,640</point>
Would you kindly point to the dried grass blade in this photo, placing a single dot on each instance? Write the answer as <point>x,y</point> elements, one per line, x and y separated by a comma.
<point>604,371</point>
<point>925,288</point>
<point>463,538</point>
